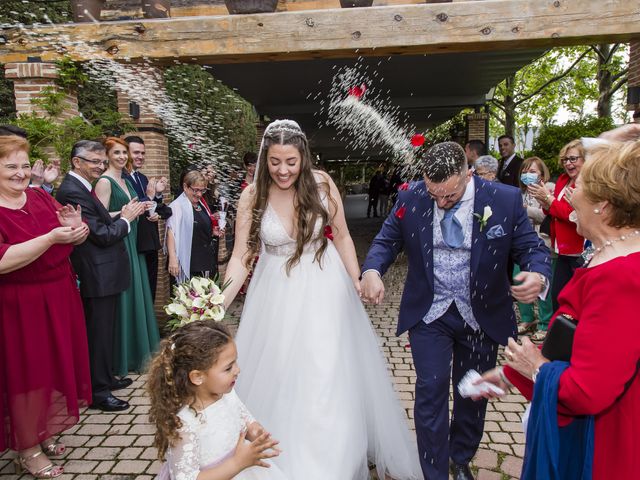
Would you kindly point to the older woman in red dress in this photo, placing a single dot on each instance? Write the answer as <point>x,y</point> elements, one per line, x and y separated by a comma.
<point>602,378</point>
<point>44,359</point>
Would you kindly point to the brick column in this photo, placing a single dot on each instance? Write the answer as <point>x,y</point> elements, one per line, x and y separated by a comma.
<point>634,76</point>
<point>30,80</point>
<point>477,126</point>
<point>151,129</point>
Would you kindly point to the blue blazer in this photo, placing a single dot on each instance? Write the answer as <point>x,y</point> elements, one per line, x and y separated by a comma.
<point>491,300</point>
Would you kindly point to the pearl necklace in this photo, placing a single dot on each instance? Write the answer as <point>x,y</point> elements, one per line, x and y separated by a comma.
<point>592,251</point>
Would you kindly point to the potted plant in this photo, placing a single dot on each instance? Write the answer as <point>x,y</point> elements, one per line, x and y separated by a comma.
<point>86,10</point>
<point>355,3</point>
<point>251,6</point>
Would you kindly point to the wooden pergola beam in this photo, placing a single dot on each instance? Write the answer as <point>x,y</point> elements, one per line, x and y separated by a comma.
<point>334,33</point>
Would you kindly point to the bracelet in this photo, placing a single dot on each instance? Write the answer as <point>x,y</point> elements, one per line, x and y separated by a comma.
<point>504,378</point>
<point>535,375</point>
<point>543,280</point>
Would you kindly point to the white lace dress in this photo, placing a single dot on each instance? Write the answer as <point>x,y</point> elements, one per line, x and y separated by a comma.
<point>209,438</point>
<point>312,369</point>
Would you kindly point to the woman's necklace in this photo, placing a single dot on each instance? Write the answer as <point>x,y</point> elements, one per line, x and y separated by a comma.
<point>197,207</point>
<point>592,251</point>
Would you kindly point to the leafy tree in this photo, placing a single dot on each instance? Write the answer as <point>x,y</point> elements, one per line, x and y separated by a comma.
<point>29,12</point>
<point>553,137</point>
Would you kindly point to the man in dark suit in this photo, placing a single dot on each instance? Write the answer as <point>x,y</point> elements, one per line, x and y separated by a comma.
<point>102,266</point>
<point>510,163</point>
<point>148,236</point>
<point>457,231</point>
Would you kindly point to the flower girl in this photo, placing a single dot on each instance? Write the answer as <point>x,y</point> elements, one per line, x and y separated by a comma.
<point>203,430</point>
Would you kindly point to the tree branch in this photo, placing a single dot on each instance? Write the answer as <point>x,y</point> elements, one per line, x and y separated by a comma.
<point>498,104</point>
<point>617,86</point>
<point>620,74</point>
<point>553,79</point>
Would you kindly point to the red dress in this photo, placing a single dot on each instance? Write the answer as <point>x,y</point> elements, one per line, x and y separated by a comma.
<point>606,302</point>
<point>44,358</point>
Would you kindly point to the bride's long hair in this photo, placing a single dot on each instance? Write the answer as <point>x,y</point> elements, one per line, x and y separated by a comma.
<point>307,202</point>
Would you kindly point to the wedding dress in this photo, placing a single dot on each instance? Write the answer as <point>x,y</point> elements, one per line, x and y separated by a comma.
<point>312,369</point>
<point>208,438</point>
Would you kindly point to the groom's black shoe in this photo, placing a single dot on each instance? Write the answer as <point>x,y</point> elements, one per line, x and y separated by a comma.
<point>460,472</point>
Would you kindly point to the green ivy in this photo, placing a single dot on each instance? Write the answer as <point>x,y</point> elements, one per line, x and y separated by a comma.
<point>71,75</point>
<point>553,137</point>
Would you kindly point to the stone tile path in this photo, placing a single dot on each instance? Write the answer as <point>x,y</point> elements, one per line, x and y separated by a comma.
<point>118,446</point>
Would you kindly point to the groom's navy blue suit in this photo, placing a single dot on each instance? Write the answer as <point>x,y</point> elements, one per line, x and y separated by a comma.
<point>448,346</point>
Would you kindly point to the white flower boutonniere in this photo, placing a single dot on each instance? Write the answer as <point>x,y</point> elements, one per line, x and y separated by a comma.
<point>486,215</point>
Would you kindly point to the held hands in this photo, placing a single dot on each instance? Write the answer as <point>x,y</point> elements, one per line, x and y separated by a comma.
<point>249,454</point>
<point>530,287</point>
<point>70,217</point>
<point>371,288</point>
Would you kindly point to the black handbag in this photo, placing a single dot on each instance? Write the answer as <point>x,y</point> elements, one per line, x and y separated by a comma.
<point>559,340</point>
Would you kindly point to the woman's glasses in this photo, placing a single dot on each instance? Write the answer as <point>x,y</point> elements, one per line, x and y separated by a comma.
<point>572,160</point>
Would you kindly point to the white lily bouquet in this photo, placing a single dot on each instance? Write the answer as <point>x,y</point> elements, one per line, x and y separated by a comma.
<point>196,299</point>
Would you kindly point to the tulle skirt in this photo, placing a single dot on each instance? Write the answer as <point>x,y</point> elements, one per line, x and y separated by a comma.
<point>314,376</point>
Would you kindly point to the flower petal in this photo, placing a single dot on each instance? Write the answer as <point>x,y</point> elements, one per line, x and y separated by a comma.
<point>400,212</point>
<point>417,140</point>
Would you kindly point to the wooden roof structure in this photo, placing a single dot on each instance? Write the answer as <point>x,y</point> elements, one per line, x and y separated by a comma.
<point>435,58</point>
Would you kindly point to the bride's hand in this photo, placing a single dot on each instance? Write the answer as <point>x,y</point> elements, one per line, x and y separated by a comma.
<point>356,284</point>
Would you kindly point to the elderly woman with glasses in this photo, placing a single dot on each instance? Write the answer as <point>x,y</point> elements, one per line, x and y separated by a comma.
<point>486,167</point>
<point>566,242</point>
<point>191,239</point>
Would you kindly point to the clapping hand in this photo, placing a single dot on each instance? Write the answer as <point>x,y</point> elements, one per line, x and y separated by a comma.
<point>161,185</point>
<point>69,216</point>
<point>540,193</point>
<point>133,210</point>
<point>37,173</point>
<point>68,235</point>
<point>51,172</point>
<point>254,453</point>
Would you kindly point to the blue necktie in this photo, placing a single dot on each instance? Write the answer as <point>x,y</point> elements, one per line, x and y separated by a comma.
<point>452,232</point>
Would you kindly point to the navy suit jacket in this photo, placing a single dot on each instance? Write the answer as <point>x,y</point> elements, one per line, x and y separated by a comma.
<point>491,300</point>
<point>102,261</point>
<point>148,238</point>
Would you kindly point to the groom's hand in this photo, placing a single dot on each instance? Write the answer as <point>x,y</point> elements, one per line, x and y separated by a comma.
<point>372,287</point>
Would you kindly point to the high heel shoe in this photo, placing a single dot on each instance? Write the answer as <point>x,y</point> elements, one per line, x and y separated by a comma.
<point>50,471</point>
<point>53,448</point>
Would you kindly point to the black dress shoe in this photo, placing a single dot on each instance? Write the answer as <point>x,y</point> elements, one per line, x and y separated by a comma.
<point>461,472</point>
<point>121,383</point>
<point>110,404</point>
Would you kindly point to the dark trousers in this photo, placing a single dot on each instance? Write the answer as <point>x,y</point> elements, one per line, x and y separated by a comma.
<point>373,203</point>
<point>152,271</point>
<point>445,350</point>
<point>565,267</point>
<point>100,316</point>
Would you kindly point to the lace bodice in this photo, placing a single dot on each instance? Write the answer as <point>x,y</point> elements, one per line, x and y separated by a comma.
<point>208,437</point>
<point>275,238</point>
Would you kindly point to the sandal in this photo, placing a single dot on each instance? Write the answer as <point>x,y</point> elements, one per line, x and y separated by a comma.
<point>527,327</point>
<point>53,448</point>
<point>50,471</point>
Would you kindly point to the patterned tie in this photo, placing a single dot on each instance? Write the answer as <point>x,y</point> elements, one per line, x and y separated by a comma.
<point>452,232</point>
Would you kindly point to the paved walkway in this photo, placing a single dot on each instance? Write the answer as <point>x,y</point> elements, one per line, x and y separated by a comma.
<point>118,446</point>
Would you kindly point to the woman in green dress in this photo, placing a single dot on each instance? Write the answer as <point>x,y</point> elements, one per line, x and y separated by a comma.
<point>136,332</point>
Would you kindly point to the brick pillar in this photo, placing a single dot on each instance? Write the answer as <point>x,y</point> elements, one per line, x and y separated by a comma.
<point>151,129</point>
<point>30,80</point>
<point>634,77</point>
<point>477,126</point>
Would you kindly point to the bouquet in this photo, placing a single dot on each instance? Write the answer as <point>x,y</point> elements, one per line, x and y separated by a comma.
<point>196,299</point>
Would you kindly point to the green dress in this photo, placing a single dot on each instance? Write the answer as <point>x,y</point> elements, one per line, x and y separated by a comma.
<point>136,333</point>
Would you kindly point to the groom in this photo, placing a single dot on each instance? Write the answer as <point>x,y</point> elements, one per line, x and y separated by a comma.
<point>458,232</point>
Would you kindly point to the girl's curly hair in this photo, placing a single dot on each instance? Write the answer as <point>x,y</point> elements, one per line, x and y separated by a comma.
<point>195,346</point>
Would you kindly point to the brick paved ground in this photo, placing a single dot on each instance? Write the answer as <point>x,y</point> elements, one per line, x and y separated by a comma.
<point>118,446</point>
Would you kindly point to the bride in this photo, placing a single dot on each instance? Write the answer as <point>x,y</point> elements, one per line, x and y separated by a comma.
<point>312,368</point>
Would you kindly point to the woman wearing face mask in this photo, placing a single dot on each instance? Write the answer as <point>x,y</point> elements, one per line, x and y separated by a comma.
<point>565,240</point>
<point>533,174</point>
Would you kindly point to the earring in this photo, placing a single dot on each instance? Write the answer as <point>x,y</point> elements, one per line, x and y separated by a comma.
<point>596,211</point>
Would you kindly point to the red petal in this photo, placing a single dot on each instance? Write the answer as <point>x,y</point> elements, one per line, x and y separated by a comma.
<point>417,140</point>
<point>408,345</point>
<point>404,186</point>
<point>358,91</point>
<point>400,212</point>
<point>328,232</point>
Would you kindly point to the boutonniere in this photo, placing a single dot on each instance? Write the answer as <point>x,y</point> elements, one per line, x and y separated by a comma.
<point>486,215</point>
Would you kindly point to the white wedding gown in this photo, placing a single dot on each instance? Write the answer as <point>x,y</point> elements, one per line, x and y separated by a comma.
<point>312,370</point>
